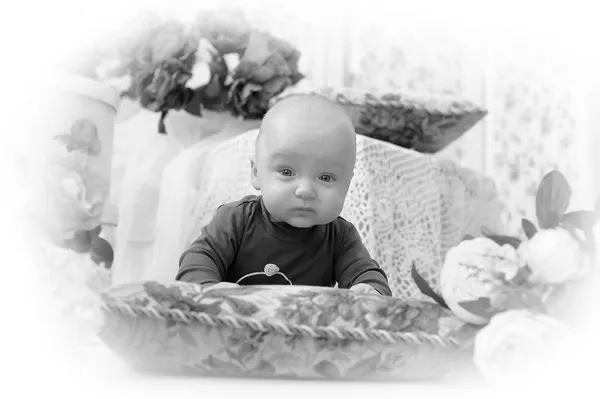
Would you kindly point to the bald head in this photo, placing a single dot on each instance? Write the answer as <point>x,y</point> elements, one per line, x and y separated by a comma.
<point>305,156</point>
<point>307,118</point>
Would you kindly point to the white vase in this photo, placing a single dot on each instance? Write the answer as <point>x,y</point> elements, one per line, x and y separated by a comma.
<point>72,153</point>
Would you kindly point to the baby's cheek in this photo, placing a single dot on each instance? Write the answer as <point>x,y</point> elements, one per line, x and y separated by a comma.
<point>333,201</point>
<point>277,191</point>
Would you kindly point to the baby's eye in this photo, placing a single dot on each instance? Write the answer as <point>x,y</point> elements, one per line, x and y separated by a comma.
<point>286,172</point>
<point>327,178</point>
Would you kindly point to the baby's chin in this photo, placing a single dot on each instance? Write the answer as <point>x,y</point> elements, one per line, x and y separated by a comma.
<point>301,224</point>
<point>305,223</point>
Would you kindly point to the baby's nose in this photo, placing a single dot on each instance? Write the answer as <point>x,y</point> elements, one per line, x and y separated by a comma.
<point>305,190</point>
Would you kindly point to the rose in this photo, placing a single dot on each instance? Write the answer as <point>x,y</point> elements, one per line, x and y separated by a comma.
<point>553,256</point>
<point>478,270</point>
<point>518,343</point>
<point>73,202</point>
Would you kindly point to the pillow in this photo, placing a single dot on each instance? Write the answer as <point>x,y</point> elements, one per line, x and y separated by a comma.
<point>281,331</point>
<point>426,124</point>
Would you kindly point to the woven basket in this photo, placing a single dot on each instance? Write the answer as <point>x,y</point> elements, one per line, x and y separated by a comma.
<point>282,331</point>
<point>424,124</point>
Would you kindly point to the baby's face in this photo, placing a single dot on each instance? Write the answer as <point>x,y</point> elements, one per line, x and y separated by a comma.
<point>304,171</point>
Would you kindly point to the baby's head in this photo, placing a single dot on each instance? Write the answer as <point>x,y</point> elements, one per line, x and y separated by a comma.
<point>304,162</point>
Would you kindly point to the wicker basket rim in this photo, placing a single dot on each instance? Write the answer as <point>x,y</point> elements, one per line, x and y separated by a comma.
<point>359,334</point>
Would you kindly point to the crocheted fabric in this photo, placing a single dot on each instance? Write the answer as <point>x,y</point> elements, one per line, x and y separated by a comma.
<point>425,124</point>
<point>282,331</point>
<point>408,207</point>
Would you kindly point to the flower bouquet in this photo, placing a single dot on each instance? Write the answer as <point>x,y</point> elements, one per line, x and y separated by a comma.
<point>522,291</point>
<point>162,66</point>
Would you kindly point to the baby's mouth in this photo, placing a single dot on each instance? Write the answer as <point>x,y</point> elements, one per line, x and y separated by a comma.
<point>303,209</point>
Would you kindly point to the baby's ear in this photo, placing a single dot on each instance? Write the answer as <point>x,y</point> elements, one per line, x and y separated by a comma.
<point>254,174</point>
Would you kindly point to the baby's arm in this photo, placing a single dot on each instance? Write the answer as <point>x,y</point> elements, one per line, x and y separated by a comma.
<point>210,255</point>
<point>355,267</point>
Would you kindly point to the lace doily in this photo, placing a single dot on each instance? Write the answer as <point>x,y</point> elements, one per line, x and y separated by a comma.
<point>408,207</point>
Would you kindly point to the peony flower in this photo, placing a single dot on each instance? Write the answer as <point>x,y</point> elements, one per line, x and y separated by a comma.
<point>267,68</point>
<point>553,256</point>
<point>480,278</point>
<point>172,40</point>
<point>161,61</point>
<point>160,87</point>
<point>518,343</point>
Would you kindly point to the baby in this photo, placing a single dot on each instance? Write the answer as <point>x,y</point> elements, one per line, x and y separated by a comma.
<point>292,233</point>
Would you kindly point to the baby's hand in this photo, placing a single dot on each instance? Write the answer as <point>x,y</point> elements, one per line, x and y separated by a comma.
<point>363,288</point>
<point>220,285</point>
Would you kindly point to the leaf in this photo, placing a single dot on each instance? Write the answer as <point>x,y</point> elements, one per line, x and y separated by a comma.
<point>170,323</point>
<point>213,308</point>
<point>340,357</point>
<point>529,228</point>
<point>522,275</point>
<point>216,364</point>
<point>501,239</point>
<point>327,369</point>
<point>95,232</point>
<point>486,231</point>
<point>574,235</point>
<point>102,252</point>
<point>80,243</point>
<point>242,307</point>
<point>552,199</point>
<point>265,368</point>
<point>425,288</point>
<point>324,319</point>
<point>364,366</point>
<point>582,220</point>
<point>480,307</point>
<point>247,349</point>
<point>468,237</point>
<point>517,298</point>
<point>187,337</point>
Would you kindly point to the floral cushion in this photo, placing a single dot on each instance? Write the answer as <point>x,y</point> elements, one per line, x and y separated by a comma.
<point>424,124</point>
<point>281,331</point>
